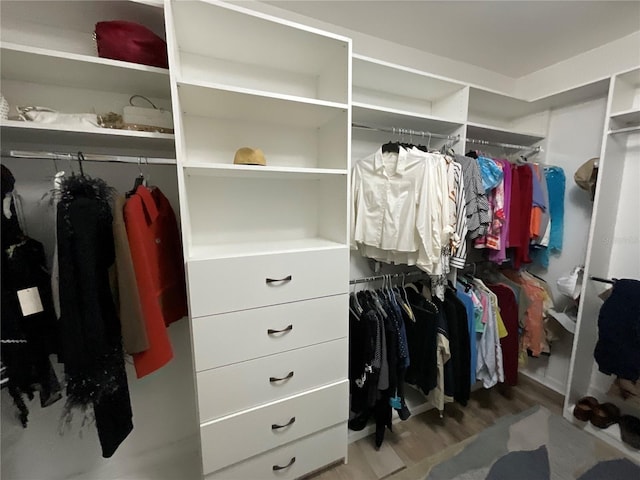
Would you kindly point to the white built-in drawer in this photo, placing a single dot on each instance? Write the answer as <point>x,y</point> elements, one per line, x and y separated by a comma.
<point>238,336</point>
<point>242,435</point>
<point>292,460</point>
<point>230,284</point>
<point>225,390</point>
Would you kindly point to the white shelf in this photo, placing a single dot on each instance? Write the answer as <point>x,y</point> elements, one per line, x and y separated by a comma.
<point>501,135</point>
<point>378,75</point>
<point>610,435</point>
<point>209,100</point>
<point>567,322</point>
<point>18,134</point>
<point>626,118</point>
<point>50,67</point>
<point>496,105</point>
<point>257,171</point>
<point>244,249</point>
<point>406,91</point>
<point>373,115</point>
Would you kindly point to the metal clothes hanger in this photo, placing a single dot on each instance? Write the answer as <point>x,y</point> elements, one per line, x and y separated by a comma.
<point>80,160</point>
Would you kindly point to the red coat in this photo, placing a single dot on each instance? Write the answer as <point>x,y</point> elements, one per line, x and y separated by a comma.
<point>156,252</point>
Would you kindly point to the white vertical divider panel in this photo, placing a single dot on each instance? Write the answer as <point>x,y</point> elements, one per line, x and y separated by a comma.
<point>597,261</point>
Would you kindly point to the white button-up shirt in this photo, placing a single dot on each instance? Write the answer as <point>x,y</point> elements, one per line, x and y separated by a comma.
<point>385,192</point>
<point>399,208</point>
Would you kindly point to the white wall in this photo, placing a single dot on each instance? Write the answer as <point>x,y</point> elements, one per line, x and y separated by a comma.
<point>164,442</point>
<point>588,67</point>
<point>625,257</point>
<point>604,61</point>
<point>394,53</point>
<point>575,136</point>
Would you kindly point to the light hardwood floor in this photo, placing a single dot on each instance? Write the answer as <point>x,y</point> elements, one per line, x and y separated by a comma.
<point>425,435</point>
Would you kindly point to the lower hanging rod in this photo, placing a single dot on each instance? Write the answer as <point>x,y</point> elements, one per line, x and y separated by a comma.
<point>91,157</point>
<point>407,131</point>
<point>389,276</point>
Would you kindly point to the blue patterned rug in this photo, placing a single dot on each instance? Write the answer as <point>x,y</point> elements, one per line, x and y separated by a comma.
<point>535,445</point>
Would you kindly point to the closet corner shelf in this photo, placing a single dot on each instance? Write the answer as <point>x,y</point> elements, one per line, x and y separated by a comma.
<point>246,249</point>
<point>46,66</point>
<point>563,319</point>
<point>501,135</point>
<point>257,171</point>
<point>390,117</point>
<point>610,435</point>
<point>19,132</point>
<point>629,117</point>
<point>151,3</point>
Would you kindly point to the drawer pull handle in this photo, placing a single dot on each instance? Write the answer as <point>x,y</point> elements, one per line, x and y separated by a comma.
<point>277,379</point>
<point>273,280</point>
<point>275,426</point>
<point>278,467</point>
<point>271,331</point>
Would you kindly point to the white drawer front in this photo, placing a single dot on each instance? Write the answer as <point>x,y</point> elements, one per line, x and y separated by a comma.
<point>302,456</point>
<point>231,284</point>
<point>231,439</point>
<point>238,336</point>
<point>226,390</point>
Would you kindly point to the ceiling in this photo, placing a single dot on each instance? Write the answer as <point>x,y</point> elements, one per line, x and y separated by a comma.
<point>514,38</point>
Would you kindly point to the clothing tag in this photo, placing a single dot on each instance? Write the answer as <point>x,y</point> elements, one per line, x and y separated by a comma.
<point>30,302</point>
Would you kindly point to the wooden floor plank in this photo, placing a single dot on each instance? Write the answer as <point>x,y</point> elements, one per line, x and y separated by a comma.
<point>383,461</point>
<point>422,436</point>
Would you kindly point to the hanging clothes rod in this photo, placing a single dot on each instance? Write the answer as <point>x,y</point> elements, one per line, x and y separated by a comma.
<point>390,276</point>
<point>91,157</point>
<point>610,281</point>
<point>407,131</point>
<point>624,130</point>
<point>513,146</point>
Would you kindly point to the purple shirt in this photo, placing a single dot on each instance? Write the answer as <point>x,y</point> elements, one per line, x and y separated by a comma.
<point>500,256</point>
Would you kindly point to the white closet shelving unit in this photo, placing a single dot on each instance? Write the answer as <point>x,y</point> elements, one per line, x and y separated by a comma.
<point>49,59</point>
<point>265,246</point>
<point>389,95</point>
<point>613,248</point>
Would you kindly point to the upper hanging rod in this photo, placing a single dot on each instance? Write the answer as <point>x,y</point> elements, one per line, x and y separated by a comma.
<point>535,149</point>
<point>91,157</point>
<point>407,131</point>
<point>390,276</point>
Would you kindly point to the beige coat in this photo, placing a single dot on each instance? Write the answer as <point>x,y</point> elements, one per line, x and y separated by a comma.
<point>134,334</point>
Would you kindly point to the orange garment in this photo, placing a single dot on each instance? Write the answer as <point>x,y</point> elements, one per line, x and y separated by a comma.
<point>156,252</point>
<point>536,211</point>
<point>536,220</point>
<point>533,338</point>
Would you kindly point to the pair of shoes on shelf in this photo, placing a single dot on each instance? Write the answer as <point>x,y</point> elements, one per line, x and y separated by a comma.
<point>601,415</point>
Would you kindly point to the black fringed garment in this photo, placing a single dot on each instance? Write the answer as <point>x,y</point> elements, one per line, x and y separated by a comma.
<point>90,330</point>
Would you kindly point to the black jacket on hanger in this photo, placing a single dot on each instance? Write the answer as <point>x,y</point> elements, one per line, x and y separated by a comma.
<point>91,338</point>
<point>459,346</point>
<point>27,340</point>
